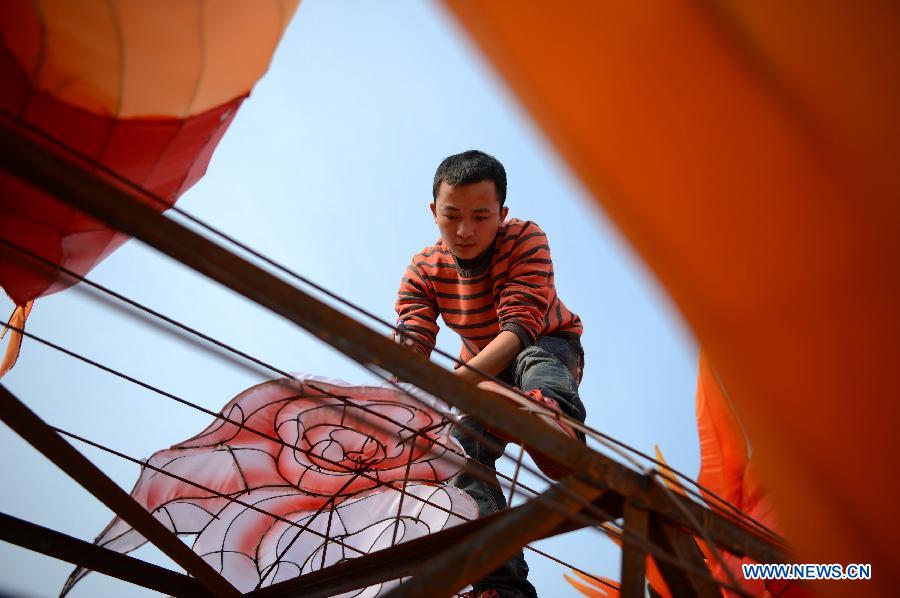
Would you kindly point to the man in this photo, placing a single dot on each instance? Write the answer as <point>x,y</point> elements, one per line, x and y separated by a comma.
<point>491,279</point>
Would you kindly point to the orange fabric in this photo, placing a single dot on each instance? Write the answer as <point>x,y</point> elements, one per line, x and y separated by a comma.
<point>17,319</point>
<point>130,58</point>
<point>593,588</point>
<point>671,482</point>
<point>144,88</point>
<point>724,465</point>
<point>654,575</point>
<point>748,152</point>
<point>724,454</point>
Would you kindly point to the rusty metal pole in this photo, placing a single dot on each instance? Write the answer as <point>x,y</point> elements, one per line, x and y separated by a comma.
<point>634,557</point>
<point>36,432</point>
<point>96,558</point>
<point>680,544</point>
<point>497,542</point>
<point>406,559</point>
<point>37,165</point>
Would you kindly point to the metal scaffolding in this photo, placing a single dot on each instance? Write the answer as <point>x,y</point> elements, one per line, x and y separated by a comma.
<point>597,489</point>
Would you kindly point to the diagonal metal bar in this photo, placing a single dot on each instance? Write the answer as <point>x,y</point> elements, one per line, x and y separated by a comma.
<point>404,559</point>
<point>679,543</point>
<point>634,557</point>
<point>698,528</point>
<point>103,560</point>
<point>128,184</point>
<point>395,562</point>
<point>496,542</point>
<point>36,432</point>
<point>37,165</point>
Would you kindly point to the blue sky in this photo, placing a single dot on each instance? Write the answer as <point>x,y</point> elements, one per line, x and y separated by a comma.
<point>327,168</point>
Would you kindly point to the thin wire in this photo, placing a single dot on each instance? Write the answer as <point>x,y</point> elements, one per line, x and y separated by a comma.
<point>512,489</point>
<point>311,384</point>
<point>582,571</point>
<point>599,436</point>
<point>319,511</point>
<point>635,539</point>
<point>112,451</point>
<point>585,504</point>
<point>225,418</point>
<point>252,430</point>
<point>405,477</point>
<point>231,499</point>
<point>464,427</point>
<point>219,344</point>
<point>271,438</point>
<point>223,235</point>
<point>264,512</point>
<point>646,545</point>
<point>627,536</point>
<point>595,434</point>
<point>328,532</point>
<point>263,364</point>
<point>601,514</point>
<point>487,441</point>
<point>703,532</point>
<point>728,506</point>
<point>459,425</point>
<point>342,300</point>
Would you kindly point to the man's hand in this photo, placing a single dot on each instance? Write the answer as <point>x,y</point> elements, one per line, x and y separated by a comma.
<point>403,338</point>
<point>493,359</point>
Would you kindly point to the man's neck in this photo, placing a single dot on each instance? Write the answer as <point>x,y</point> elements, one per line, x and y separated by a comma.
<point>476,266</point>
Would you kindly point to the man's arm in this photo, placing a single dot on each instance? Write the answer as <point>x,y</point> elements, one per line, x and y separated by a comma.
<point>526,294</point>
<point>492,360</point>
<point>416,311</point>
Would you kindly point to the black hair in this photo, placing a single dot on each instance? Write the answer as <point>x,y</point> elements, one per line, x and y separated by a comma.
<point>468,167</point>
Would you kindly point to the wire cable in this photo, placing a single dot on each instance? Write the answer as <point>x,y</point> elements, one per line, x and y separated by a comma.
<point>372,316</point>
<point>184,480</point>
<point>596,434</point>
<point>487,441</point>
<point>732,509</point>
<point>579,517</point>
<point>637,540</point>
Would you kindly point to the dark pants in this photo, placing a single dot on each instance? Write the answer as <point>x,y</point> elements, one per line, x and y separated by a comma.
<point>554,366</point>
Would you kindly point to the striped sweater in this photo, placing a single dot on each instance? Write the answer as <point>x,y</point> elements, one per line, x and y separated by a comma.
<point>511,287</point>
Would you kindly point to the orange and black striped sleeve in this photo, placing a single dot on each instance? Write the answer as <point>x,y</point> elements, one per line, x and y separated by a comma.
<point>525,296</point>
<point>417,309</point>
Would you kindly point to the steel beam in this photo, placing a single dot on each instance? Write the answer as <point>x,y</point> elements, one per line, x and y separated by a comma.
<point>384,565</point>
<point>404,559</point>
<point>634,557</point>
<point>498,541</point>
<point>96,558</point>
<point>678,543</point>
<point>36,432</point>
<point>43,168</point>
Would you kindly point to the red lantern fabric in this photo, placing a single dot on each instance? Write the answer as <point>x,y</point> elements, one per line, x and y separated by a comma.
<point>144,89</point>
<point>318,472</point>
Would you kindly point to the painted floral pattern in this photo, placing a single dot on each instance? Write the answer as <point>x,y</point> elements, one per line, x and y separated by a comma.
<point>305,473</point>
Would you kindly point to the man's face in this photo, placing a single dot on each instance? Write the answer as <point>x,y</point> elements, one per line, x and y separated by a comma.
<point>468,217</point>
